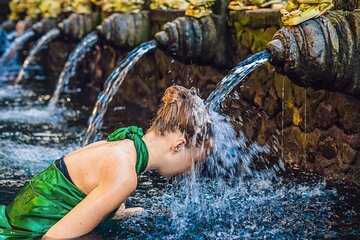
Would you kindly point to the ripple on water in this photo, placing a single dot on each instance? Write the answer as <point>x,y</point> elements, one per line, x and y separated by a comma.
<point>31,158</point>
<point>9,72</point>
<point>11,92</point>
<point>257,209</point>
<point>36,115</point>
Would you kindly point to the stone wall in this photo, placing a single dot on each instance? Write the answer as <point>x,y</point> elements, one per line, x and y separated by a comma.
<point>4,9</point>
<point>316,130</point>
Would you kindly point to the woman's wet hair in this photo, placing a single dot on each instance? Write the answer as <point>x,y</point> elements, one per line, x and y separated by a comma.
<point>182,109</point>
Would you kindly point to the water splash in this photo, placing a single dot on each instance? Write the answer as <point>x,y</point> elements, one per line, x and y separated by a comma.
<point>111,87</point>
<point>235,77</point>
<point>16,46</point>
<point>209,193</point>
<point>11,92</point>
<point>70,66</point>
<point>250,210</point>
<point>39,45</point>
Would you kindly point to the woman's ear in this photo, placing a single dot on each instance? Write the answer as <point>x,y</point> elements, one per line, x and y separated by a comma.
<point>179,144</point>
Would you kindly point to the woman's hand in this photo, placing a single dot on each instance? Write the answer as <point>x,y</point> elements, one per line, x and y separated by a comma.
<point>123,213</point>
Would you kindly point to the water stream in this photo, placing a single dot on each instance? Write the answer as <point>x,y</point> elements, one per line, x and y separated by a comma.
<point>111,87</point>
<point>16,46</point>
<point>235,77</point>
<point>39,45</point>
<point>4,41</point>
<point>87,43</point>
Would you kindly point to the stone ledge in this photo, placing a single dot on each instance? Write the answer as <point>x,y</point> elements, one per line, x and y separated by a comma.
<point>165,16</point>
<point>261,18</point>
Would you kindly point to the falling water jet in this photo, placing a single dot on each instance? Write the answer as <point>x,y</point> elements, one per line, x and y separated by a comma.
<point>233,152</point>
<point>233,163</point>
<point>17,45</point>
<point>39,45</point>
<point>234,78</point>
<point>4,41</point>
<point>111,87</point>
<point>70,66</point>
<point>11,36</point>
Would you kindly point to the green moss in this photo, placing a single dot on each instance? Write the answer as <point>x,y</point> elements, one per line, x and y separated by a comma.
<point>259,43</point>
<point>247,39</point>
<point>244,20</point>
<point>239,29</point>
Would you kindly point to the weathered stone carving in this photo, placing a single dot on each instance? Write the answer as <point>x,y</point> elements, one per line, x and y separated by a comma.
<point>78,25</point>
<point>8,26</point>
<point>322,53</point>
<point>44,25</point>
<point>126,30</point>
<point>203,40</point>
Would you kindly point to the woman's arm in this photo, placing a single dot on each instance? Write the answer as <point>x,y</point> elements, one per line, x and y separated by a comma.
<point>93,209</point>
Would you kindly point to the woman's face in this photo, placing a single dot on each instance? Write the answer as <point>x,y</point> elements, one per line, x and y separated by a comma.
<point>181,160</point>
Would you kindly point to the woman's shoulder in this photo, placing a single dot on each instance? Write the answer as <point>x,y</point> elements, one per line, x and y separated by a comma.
<point>119,163</point>
<point>103,163</point>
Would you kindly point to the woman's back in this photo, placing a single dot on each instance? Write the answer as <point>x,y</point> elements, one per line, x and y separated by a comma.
<point>89,165</point>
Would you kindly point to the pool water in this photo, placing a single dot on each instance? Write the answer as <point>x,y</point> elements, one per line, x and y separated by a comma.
<point>293,205</point>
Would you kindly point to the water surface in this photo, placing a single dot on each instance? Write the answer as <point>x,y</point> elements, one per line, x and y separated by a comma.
<point>270,205</point>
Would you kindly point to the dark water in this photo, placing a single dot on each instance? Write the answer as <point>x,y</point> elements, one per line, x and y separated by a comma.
<point>271,205</point>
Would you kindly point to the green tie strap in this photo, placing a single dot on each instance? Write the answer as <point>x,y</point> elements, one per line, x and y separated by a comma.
<point>134,133</point>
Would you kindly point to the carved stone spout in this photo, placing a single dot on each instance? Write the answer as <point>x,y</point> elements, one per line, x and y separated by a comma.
<point>44,26</point>
<point>322,53</point>
<point>126,30</point>
<point>8,26</point>
<point>203,41</point>
<point>78,25</point>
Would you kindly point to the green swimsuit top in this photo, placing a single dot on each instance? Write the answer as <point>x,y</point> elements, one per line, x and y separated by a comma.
<point>134,133</point>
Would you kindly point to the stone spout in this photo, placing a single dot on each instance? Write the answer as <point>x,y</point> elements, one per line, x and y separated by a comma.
<point>322,53</point>
<point>44,26</point>
<point>126,30</point>
<point>203,41</point>
<point>78,25</point>
<point>8,26</point>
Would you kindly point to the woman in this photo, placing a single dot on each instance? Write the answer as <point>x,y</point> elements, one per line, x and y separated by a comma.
<point>77,192</point>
